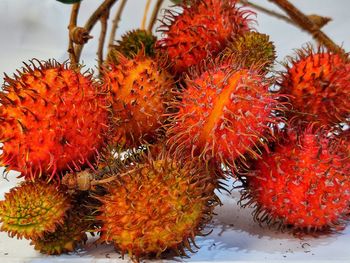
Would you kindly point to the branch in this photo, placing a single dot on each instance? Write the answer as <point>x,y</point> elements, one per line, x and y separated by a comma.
<point>154,15</point>
<point>104,19</point>
<point>71,26</point>
<point>305,23</point>
<point>115,23</point>
<point>102,9</point>
<point>143,24</point>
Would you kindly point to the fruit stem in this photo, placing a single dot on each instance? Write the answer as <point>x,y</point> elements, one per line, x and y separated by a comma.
<point>103,19</point>
<point>103,8</point>
<point>305,23</point>
<point>155,14</point>
<point>115,23</point>
<point>112,178</point>
<point>144,19</point>
<point>71,26</point>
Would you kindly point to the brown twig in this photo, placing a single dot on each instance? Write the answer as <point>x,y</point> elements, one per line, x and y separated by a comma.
<point>71,26</point>
<point>308,25</point>
<point>102,9</point>
<point>101,41</point>
<point>144,19</point>
<point>115,23</point>
<point>154,15</point>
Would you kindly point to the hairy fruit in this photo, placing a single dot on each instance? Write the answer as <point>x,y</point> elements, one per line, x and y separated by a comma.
<point>157,205</point>
<point>202,29</point>
<point>302,184</point>
<point>224,113</point>
<point>31,209</point>
<point>53,119</point>
<point>140,89</point>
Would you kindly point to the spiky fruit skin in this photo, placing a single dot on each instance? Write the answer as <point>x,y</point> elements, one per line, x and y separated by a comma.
<point>156,205</point>
<point>252,49</point>
<point>303,184</point>
<point>31,209</point>
<point>70,234</point>
<point>223,114</point>
<point>53,119</point>
<point>317,82</point>
<point>140,89</point>
<point>202,29</point>
<point>132,43</point>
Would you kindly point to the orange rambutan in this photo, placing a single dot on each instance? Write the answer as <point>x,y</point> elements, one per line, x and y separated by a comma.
<point>156,205</point>
<point>223,114</point>
<point>203,28</point>
<point>53,119</point>
<point>139,91</point>
<point>318,84</point>
<point>302,184</point>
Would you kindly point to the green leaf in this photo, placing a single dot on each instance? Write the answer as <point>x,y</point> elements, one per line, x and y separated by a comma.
<point>69,1</point>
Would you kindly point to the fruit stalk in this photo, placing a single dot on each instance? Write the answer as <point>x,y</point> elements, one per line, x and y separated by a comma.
<point>101,41</point>
<point>104,7</point>
<point>115,23</point>
<point>308,25</point>
<point>71,26</point>
<point>154,15</point>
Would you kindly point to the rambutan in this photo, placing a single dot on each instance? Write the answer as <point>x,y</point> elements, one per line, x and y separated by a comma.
<point>140,89</point>
<point>223,114</point>
<point>203,28</point>
<point>67,236</point>
<point>302,184</point>
<point>252,49</point>
<point>53,119</point>
<point>31,209</point>
<point>318,84</point>
<point>157,205</point>
<point>132,43</point>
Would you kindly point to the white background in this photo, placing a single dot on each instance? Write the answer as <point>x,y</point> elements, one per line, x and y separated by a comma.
<point>37,28</point>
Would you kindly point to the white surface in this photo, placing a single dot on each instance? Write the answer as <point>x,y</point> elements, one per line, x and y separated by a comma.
<point>37,28</point>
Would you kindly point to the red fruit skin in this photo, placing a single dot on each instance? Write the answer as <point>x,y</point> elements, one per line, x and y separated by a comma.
<point>53,119</point>
<point>223,115</point>
<point>303,184</point>
<point>202,29</point>
<point>318,85</point>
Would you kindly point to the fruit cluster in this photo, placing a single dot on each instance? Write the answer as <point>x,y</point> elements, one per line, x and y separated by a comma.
<point>137,154</point>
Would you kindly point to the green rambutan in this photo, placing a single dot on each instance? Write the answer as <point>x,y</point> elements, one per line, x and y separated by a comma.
<point>67,236</point>
<point>302,184</point>
<point>251,49</point>
<point>140,89</point>
<point>318,85</point>
<point>156,205</point>
<point>53,119</point>
<point>224,114</point>
<point>31,209</point>
<point>132,43</point>
<point>202,29</point>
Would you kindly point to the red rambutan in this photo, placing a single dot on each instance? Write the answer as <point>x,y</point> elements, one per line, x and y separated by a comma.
<point>53,119</point>
<point>201,29</point>
<point>303,184</point>
<point>318,83</point>
<point>223,114</point>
